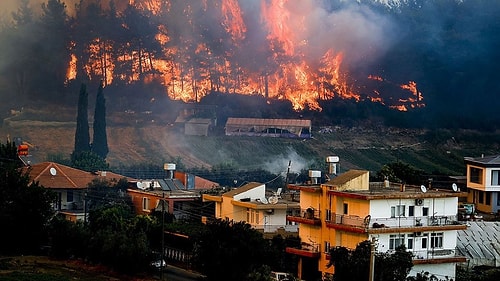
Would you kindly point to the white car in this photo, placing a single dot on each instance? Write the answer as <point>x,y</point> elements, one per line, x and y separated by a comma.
<point>159,264</point>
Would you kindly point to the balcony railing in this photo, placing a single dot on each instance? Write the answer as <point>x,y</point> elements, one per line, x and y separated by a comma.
<point>433,253</point>
<point>311,250</point>
<point>306,216</point>
<point>368,223</point>
<point>413,221</point>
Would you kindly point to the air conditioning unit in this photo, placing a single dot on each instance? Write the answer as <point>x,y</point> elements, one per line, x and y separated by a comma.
<point>419,202</point>
<point>417,234</point>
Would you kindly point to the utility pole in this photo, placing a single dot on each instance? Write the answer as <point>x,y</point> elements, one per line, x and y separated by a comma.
<point>371,274</point>
<point>287,173</point>
<point>162,235</point>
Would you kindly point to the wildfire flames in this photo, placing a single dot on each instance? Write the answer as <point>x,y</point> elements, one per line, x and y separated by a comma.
<point>275,59</point>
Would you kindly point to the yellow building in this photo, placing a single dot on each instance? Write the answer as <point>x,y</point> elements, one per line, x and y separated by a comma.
<point>483,183</point>
<point>349,209</point>
<point>264,211</point>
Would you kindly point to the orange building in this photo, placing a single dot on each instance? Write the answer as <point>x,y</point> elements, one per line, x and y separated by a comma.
<point>483,183</point>
<point>251,203</point>
<point>349,209</point>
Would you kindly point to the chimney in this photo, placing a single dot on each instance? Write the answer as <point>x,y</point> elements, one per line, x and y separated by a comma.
<point>314,175</point>
<point>332,165</point>
<point>170,168</point>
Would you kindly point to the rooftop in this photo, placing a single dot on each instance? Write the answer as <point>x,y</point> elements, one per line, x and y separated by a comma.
<point>379,190</point>
<point>54,175</point>
<point>480,243</point>
<point>493,160</point>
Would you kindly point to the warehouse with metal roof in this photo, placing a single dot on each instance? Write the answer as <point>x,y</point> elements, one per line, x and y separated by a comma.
<point>289,128</point>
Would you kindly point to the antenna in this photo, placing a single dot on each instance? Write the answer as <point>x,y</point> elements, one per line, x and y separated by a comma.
<point>423,188</point>
<point>53,171</point>
<point>454,187</point>
<point>264,200</point>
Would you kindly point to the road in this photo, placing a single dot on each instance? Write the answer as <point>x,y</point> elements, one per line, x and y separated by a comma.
<point>173,273</point>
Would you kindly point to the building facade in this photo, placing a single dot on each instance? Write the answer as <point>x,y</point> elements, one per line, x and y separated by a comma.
<point>70,186</point>
<point>483,183</point>
<point>249,203</point>
<point>349,209</point>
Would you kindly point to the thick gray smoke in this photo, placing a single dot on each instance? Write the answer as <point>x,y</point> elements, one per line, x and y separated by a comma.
<point>317,26</point>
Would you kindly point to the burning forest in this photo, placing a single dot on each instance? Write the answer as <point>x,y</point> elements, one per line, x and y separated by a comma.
<point>290,50</point>
<point>305,52</point>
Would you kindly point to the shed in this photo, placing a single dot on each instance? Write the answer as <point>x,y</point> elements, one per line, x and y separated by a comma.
<point>291,128</point>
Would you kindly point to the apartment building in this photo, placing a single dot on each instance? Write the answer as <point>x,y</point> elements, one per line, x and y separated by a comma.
<point>348,209</point>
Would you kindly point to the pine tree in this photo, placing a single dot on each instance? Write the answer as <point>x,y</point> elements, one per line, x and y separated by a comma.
<point>82,136</point>
<point>100,139</point>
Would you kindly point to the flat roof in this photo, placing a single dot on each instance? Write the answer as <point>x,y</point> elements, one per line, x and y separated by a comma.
<point>269,122</point>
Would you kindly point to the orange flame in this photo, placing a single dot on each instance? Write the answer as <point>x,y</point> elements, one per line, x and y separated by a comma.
<point>286,74</point>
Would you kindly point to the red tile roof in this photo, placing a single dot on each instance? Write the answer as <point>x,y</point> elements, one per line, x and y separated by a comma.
<point>54,175</point>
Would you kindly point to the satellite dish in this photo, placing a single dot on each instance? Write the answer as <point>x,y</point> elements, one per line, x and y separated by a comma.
<point>142,185</point>
<point>264,200</point>
<point>53,171</point>
<point>273,200</point>
<point>423,188</point>
<point>454,187</point>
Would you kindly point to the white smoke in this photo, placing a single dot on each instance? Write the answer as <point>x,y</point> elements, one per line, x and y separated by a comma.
<point>279,164</point>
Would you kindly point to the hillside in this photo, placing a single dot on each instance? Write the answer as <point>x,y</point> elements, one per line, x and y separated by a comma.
<point>145,138</point>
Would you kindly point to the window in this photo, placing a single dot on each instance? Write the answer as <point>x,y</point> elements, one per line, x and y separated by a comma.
<point>396,240</point>
<point>481,197</point>
<point>437,240</point>
<point>145,203</point>
<point>424,240</point>
<point>328,215</point>
<point>411,211</point>
<point>248,215</point>
<point>409,244</point>
<point>69,196</point>
<point>425,211</point>
<point>488,198</point>
<point>327,247</point>
<point>346,208</point>
<point>398,211</point>
<point>476,175</point>
<point>495,177</point>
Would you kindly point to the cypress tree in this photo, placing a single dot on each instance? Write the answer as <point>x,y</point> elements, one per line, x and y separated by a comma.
<point>100,139</point>
<point>82,136</point>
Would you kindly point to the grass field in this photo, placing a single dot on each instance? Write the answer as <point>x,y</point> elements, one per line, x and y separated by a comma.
<point>41,268</point>
<point>142,141</point>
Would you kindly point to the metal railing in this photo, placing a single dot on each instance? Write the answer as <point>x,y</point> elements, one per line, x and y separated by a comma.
<point>369,222</point>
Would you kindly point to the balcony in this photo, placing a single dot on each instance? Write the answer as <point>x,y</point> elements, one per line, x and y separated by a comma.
<point>435,256</point>
<point>389,225</point>
<point>308,216</point>
<point>309,250</point>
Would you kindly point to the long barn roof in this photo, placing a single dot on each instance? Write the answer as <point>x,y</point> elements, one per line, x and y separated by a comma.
<point>268,122</point>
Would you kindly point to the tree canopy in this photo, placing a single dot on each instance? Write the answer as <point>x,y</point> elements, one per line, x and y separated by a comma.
<point>355,264</point>
<point>25,206</point>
